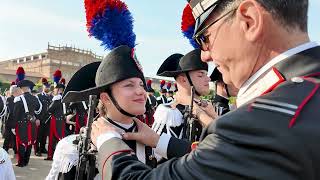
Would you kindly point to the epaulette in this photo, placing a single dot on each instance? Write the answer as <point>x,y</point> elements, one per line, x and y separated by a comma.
<point>289,98</point>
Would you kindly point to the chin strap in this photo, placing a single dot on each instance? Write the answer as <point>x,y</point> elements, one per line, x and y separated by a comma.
<point>117,105</point>
<point>191,84</point>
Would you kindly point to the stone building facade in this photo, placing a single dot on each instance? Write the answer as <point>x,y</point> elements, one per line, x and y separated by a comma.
<point>67,59</point>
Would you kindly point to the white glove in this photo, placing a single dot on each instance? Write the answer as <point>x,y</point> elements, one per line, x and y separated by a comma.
<point>13,131</point>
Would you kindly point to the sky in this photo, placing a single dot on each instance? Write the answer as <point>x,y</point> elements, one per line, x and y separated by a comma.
<point>28,25</point>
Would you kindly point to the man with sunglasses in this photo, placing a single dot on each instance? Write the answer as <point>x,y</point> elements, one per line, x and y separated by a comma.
<point>263,48</point>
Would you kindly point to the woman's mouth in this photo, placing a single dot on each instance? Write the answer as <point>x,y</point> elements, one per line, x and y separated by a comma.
<point>140,100</point>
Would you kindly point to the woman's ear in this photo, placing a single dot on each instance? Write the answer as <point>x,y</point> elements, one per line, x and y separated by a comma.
<point>104,97</point>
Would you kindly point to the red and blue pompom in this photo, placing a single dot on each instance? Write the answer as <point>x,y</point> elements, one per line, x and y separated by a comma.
<point>162,83</point>
<point>168,86</point>
<point>57,76</point>
<point>111,22</point>
<point>149,83</point>
<point>187,25</point>
<point>20,74</point>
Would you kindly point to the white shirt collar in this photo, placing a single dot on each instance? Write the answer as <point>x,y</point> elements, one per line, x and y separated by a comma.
<point>274,61</point>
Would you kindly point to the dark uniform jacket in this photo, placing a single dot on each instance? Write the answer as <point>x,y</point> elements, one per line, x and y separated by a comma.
<point>46,100</point>
<point>10,123</point>
<point>3,115</point>
<point>80,111</point>
<point>25,129</point>
<point>274,136</point>
<point>57,117</point>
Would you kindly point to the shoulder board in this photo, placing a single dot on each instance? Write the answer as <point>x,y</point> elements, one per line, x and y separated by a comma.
<point>289,98</point>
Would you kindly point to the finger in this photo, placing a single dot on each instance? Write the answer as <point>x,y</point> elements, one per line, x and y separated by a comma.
<point>131,136</point>
<point>138,122</point>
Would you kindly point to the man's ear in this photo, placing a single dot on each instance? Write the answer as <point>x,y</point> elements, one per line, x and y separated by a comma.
<point>251,17</point>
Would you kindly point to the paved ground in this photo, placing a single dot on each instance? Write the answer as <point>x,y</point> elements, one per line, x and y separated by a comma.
<point>36,170</point>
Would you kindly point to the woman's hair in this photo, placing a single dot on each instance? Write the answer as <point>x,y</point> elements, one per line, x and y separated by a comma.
<point>102,109</point>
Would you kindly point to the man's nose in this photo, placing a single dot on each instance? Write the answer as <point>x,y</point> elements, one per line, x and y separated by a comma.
<point>205,56</point>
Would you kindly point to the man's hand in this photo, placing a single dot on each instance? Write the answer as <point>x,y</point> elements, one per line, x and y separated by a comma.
<point>145,135</point>
<point>209,109</point>
<point>205,114</point>
<point>101,127</point>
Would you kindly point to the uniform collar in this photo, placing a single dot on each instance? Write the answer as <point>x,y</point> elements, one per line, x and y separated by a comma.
<point>125,127</point>
<point>283,57</point>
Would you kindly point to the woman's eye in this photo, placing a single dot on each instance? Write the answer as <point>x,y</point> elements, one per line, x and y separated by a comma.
<point>129,85</point>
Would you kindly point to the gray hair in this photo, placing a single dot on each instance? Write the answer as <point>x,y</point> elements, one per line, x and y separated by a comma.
<point>289,13</point>
<point>13,89</point>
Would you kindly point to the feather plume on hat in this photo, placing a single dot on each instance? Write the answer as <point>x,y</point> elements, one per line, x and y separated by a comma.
<point>20,74</point>
<point>187,25</point>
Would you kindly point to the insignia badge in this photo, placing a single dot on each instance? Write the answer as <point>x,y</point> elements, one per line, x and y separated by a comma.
<point>134,57</point>
<point>2,161</point>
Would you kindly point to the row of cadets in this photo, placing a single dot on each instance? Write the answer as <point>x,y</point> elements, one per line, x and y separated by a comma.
<point>162,99</point>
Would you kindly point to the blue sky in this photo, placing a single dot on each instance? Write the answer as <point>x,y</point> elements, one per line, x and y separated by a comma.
<point>28,26</point>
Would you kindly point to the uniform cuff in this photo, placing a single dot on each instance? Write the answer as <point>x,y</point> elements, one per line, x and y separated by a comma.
<point>162,145</point>
<point>105,137</point>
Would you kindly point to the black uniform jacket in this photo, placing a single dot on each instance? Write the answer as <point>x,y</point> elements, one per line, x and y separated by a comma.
<point>274,136</point>
<point>81,114</point>
<point>10,123</point>
<point>46,100</point>
<point>57,124</point>
<point>23,125</point>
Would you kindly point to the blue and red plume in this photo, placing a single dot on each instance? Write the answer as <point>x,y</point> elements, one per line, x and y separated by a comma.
<point>111,22</point>
<point>149,82</point>
<point>168,86</point>
<point>57,76</point>
<point>162,83</point>
<point>187,25</point>
<point>20,74</point>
